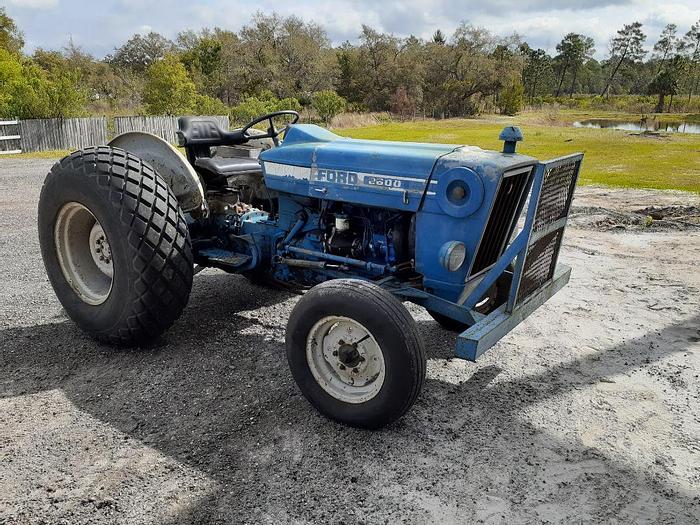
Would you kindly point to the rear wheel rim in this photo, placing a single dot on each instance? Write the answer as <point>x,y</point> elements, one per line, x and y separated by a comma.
<point>345,359</point>
<point>84,253</point>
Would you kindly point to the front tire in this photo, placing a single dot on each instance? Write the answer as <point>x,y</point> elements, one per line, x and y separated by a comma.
<point>355,353</point>
<point>115,245</point>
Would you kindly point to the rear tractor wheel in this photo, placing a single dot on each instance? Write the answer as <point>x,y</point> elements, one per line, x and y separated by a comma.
<point>355,353</point>
<point>115,245</point>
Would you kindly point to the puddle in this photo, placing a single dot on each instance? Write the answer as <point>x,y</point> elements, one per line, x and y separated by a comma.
<point>640,125</point>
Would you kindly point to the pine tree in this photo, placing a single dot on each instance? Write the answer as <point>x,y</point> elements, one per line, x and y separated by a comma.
<point>574,50</point>
<point>625,47</point>
<point>666,45</point>
<point>439,38</point>
<point>691,46</point>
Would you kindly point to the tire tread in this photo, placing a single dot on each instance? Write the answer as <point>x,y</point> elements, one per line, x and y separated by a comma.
<point>162,260</point>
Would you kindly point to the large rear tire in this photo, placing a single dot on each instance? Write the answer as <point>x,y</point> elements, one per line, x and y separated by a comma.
<point>355,352</point>
<point>115,245</point>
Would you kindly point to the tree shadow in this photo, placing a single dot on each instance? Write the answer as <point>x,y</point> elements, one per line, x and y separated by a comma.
<point>215,394</point>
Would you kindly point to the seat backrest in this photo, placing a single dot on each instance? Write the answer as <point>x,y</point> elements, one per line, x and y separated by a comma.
<point>199,131</point>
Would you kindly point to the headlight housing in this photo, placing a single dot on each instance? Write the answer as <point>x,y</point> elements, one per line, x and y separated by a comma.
<point>452,255</point>
<point>460,192</point>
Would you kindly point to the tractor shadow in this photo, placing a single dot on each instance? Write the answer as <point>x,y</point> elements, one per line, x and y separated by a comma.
<point>215,394</point>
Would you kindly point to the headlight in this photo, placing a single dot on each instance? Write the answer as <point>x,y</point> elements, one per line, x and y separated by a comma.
<point>459,192</point>
<point>452,255</point>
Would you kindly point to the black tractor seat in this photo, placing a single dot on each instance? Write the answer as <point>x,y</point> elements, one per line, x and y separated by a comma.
<point>228,166</point>
<point>198,131</point>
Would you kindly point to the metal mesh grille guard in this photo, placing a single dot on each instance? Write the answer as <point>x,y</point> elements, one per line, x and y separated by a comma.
<point>554,183</point>
<point>536,276</point>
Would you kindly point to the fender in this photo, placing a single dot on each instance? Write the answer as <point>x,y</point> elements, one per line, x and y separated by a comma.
<point>168,162</point>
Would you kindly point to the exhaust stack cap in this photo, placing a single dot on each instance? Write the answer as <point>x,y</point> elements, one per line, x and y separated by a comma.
<point>511,135</point>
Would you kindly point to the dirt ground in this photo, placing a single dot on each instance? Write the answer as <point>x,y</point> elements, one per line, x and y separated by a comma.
<point>587,412</point>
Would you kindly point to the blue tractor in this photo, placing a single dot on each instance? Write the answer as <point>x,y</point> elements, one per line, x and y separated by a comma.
<point>358,226</point>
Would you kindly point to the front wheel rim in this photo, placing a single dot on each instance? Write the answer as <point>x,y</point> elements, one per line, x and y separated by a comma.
<point>84,253</point>
<point>345,359</point>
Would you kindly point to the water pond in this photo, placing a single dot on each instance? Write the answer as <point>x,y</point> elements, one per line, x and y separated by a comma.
<point>640,125</point>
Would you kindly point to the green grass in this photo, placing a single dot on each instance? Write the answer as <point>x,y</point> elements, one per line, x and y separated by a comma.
<point>612,157</point>
<point>55,155</point>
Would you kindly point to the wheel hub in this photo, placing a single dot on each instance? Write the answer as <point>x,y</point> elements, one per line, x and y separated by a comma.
<point>348,355</point>
<point>84,253</point>
<point>345,359</point>
<point>100,250</point>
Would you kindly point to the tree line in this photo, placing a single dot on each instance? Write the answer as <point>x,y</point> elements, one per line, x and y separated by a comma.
<point>277,62</point>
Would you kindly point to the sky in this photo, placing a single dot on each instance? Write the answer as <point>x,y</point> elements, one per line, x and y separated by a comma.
<point>100,26</point>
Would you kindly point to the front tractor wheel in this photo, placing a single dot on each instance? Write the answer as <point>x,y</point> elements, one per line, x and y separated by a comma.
<point>355,353</point>
<point>115,245</point>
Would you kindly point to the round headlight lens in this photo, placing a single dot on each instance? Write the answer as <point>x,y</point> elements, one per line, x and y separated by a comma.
<point>452,255</point>
<point>457,192</point>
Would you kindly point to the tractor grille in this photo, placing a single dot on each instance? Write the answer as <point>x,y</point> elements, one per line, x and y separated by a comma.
<point>540,263</point>
<point>556,195</point>
<point>558,183</point>
<point>502,219</point>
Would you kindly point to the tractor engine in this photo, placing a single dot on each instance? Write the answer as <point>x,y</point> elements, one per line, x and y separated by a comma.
<point>442,213</point>
<point>347,235</point>
<point>360,233</point>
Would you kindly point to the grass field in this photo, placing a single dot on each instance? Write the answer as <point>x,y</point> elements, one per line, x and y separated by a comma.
<point>613,157</point>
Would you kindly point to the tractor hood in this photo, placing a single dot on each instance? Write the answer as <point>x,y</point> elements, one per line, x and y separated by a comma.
<point>314,162</point>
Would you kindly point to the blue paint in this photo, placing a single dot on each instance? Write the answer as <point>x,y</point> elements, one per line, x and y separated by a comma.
<point>510,136</point>
<point>459,192</point>
<point>370,172</point>
<point>443,193</point>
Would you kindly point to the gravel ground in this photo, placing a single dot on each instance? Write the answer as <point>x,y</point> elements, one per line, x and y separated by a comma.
<point>586,413</point>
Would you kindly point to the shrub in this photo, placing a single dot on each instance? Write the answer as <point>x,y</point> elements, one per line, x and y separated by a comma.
<point>328,104</point>
<point>206,105</point>
<point>28,91</point>
<point>266,102</point>
<point>510,99</point>
<point>169,90</point>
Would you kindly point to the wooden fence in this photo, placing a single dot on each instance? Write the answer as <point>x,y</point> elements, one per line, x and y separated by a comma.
<point>62,133</point>
<point>76,133</point>
<point>9,137</point>
<point>164,127</point>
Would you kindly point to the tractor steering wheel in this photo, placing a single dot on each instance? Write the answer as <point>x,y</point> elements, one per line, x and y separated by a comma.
<point>272,131</point>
